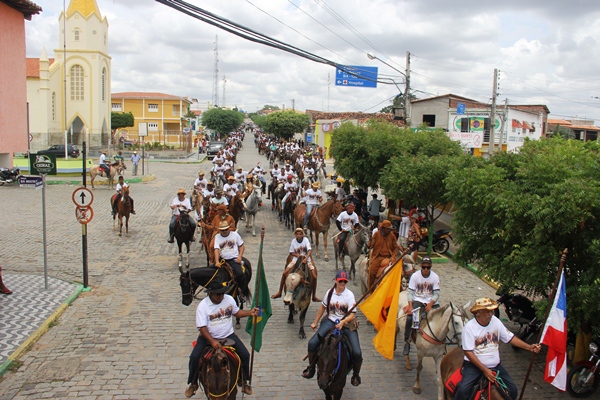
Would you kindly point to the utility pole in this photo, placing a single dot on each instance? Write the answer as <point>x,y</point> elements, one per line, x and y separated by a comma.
<point>224,83</point>
<point>328,89</point>
<point>407,90</point>
<point>293,104</point>
<point>215,94</point>
<point>492,143</point>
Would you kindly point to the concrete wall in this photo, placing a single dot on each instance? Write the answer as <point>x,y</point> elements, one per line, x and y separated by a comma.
<point>13,91</point>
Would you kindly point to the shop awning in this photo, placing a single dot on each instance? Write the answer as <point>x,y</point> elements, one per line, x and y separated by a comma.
<point>527,125</point>
<point>516,124</point>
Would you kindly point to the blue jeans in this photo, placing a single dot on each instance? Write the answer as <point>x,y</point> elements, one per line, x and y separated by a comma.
<point>309,208</point>
<point>352,336</point>
<point>471,375</point>
<point>201,344</point>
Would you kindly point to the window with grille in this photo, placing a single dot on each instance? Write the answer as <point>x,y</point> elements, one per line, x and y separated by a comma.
<point>76,35</point>
<point>77,92</point>
<point>116,106</point>
<point>152,107</point>
<point>103,84</point>
<point>153,126</point>
<point>53,106</point>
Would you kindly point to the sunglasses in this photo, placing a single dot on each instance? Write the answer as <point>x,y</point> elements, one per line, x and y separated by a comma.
<point>425,266</point>
<point>343,282</point>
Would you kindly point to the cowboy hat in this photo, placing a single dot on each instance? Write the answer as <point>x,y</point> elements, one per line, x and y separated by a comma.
<point>217,287</point>
<point>315,185</point>
<point>103,151</point>
<point>484,303</point>
<point>231,178</point>
<point>201,173</point>
<point>386,224</point>
<point>219,191</point>
<point>298,230</point>
<point>239,168</point>
<point>224,225</point>
<point>221,207</point>
<point>181,191</point>
<point>250,176</point>
<point>135,152</point>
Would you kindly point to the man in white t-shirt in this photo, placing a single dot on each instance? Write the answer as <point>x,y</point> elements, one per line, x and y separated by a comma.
<point>119,188</point>
<point>300,248</point>
<point>200,182</point>
<point>313,198</point>
<point>423,294</point>
<point>214,320</point>
<point>340,193</point>
<point>180,203</point>
<point>347,221</point>
<point>481,338</point>
<point>230,247</point>
<point>231,188</point>
<point>240,176</point>
<point>290,187</point>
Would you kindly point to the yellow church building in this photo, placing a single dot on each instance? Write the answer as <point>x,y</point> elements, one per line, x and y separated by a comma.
<point>69,94</point>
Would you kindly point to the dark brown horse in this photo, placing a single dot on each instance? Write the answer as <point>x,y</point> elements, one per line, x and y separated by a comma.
<point>319,222</point>
<point>332,366</point>
<point>220,373</point>
<point>123,210</point>
<point>236,207</point>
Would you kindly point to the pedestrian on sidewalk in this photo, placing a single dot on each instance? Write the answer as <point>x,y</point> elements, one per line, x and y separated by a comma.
<point>3,289</point>
<point>135,159</point>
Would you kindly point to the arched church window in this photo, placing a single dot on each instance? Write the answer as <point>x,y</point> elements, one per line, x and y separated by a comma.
<point>77,92</point>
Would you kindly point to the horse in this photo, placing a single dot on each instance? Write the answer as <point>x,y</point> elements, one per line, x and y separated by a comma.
<point>432,335</point>
<point>183,234</point>
<point>219,372</point>
<point>236,207</point>
<point>319,222</point>
<point>298,293</point>
<point>123,209</point>
<point>253,202</point>
<point>353,248</point>
<point>278,193</point>
<point>115,168</point>
<point>454,361</point>
<point>288,211</point>
<point>201,206</point>
<point>363,272</point>
<point>190,280</point>
<point>333,365</point>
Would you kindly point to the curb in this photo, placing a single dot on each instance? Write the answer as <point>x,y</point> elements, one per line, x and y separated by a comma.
<point>34,337</point>
<point>145,178</point>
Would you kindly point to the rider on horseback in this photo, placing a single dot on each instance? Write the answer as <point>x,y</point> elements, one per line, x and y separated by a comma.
<point>423,294</point>
<point>347,221</point>
<point>290,187</point>
<point>229,246</point>
<point>383,251</point>
<point>183,203</point>
<point>313,198</point>
<point>300,248</point>
<point>200,183</point>
<point>122,184</point>
<point>480,341</point>
<point>338,300</point>
<point>102,163</point>
<point>214,320</point>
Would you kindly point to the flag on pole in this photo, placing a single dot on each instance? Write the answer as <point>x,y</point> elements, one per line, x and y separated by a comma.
<point>262,300</point>
<point>554,336</point>
<point>381,308</point>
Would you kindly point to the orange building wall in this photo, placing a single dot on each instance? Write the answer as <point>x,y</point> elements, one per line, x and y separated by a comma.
<point>13,90</point>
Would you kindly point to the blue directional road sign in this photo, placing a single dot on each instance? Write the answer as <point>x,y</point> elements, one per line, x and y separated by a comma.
<point>357,76</point>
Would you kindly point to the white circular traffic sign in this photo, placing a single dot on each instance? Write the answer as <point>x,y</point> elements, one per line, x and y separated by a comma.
<point>83,197</point>
<point>84,214</point>
<point>30,137</point>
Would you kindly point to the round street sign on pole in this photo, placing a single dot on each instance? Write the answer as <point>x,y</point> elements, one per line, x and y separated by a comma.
<point>30,137</point>
<point>83,197</point>
<point>84,214</point>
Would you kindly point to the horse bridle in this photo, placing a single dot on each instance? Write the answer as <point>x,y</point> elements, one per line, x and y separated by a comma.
<point>448,341</point>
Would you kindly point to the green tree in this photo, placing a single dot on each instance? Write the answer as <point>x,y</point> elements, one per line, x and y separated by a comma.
<point>361,152</point>
<point>561,131</point>
<point>121,120</point>
<point>285,124</point>
<point>517,211</point>
<point>260,120</point>
<point>222,121</point>
<point>268,107</point>
<point>417,173</point>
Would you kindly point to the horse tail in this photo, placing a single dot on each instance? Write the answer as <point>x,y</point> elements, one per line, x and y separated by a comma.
<point>248,272</point>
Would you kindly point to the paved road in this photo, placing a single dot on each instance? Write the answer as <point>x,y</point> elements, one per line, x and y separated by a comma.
<point>130,336</point>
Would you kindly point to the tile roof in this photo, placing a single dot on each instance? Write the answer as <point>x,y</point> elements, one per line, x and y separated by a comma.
<point>585,127</point>
<point>148,95</point>
<point>26,7</point>
<point>32,66</point>
<point>559,122</point>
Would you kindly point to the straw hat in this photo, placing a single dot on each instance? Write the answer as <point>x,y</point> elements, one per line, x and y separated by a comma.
<point>181,191</point>
<point>315,185</point>
<point>201,173</point>
<point>298,230</point>
<point>224,225</point>
<point>484,303</point>
<point>231,178</point>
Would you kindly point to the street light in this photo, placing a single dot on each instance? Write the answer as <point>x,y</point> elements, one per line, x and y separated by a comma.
<point>406,76</point>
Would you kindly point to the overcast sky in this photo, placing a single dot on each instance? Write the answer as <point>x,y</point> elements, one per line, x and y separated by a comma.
<point>548,51</point>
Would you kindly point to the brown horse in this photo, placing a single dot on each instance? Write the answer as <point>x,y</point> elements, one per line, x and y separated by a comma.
<point>236,207</point>
<point>115,168</point>
<point>220,373</point>
<point>453,361</point>
<point>123,210</point>
<point>319,222</point>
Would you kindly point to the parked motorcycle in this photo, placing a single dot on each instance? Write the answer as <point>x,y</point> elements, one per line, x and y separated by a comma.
<point>583,378</point>
<point>440,242</point>
<point>9,175</point>
<point>519,310</point>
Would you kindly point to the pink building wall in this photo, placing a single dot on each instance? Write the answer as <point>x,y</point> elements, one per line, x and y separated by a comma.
<point>13,89</point>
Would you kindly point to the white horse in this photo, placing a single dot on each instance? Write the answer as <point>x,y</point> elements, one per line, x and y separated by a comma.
<point>253,201</point>
<point>432,336</point>
<point>353,248</point>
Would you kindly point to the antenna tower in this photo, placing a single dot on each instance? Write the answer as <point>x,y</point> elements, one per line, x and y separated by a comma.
<point>215,92</point>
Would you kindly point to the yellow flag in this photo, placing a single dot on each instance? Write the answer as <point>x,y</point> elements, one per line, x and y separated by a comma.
<point>381,308</point>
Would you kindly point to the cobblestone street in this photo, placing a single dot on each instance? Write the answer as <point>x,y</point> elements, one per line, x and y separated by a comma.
<point>129,337</point>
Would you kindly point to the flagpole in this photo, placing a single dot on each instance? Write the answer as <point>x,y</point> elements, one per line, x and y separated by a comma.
<point>257,297</point>
<point>374,285</point>
<point>550,303</point>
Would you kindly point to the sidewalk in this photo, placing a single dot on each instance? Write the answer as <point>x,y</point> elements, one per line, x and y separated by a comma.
<point>29,312</point>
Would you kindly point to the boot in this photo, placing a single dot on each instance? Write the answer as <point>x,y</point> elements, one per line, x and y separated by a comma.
<point>171,237</point>
<point>3,289</point>
<point>247,389</point>
<point>278,294</point>
<point>313,284</point>
<point>406,350</point>
<point>355,381</point>
<point>309,372</point>
<point>190,391</point>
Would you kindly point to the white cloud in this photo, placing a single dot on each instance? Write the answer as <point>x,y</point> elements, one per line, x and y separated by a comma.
<point>547,50</point>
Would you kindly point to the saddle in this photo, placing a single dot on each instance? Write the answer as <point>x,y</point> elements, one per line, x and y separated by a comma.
<point>478,392</point>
